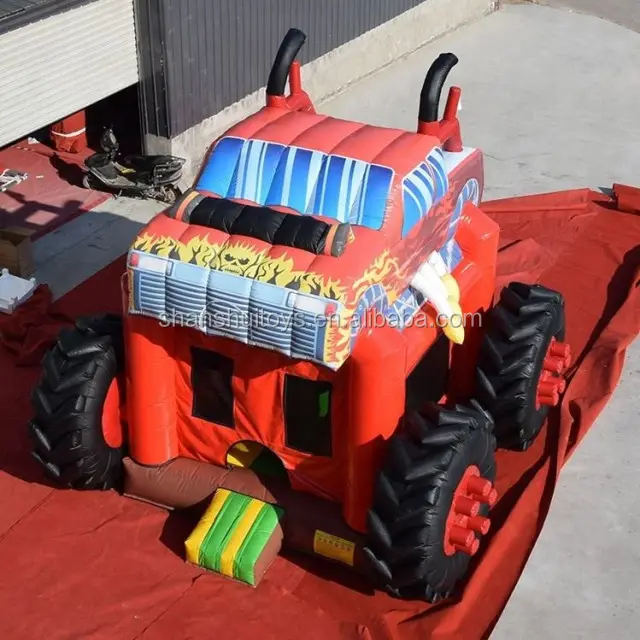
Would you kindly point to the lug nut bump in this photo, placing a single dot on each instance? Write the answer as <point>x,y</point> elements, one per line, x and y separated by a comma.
<point>479,486</point>
<point>561,350</point>
<point>549,400</point>
<point>480,524</point>
<point>492,498</point>
<point>461,537</point>
<point>548,388</point>
<point>554,365</point>
<point>467,506</point>
<point>470,549</point>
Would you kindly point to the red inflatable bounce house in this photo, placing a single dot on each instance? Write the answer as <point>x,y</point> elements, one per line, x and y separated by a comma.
<point>311,351</point>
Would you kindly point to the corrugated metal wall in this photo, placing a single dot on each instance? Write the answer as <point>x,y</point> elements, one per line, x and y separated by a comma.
<point>54,67</point>
<point>151,59</point>
<point>218,51</point>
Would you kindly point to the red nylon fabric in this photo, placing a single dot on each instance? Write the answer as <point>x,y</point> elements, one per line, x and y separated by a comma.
<point>95,565</point>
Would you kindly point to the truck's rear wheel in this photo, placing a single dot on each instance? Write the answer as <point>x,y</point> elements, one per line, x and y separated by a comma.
<point>77,429</point>
<point>522,362</point>
<point>432,501</point>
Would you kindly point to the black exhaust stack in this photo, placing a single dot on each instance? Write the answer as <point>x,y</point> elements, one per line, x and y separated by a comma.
<point>433,85</point>
<point>289,48</point>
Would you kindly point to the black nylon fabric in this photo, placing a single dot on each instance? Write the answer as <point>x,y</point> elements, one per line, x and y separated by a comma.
<point>276,228</point>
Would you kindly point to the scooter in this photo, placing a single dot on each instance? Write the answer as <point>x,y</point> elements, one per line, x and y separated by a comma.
<point>153,177</point>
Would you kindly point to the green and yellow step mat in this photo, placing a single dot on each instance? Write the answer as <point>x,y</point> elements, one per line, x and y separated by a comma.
<point>238,537</point>
<point>254,456</point>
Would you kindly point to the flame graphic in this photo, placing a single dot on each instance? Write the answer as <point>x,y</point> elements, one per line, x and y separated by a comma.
<point>388,271</point>
<point>384,270</point>
<point>243,259</point>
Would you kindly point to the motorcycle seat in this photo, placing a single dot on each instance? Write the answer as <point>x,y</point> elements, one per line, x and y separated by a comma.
<point>151,162</point>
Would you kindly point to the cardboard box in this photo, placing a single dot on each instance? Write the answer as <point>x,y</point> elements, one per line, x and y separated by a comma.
<point>16,251</point>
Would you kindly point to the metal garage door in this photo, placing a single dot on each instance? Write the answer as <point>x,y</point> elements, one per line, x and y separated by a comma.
<point>51,68</point>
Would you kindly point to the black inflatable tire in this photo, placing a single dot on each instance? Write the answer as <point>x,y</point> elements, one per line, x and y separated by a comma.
<point>68,404</point>
<point>426,461</point>
<point>520,329</point>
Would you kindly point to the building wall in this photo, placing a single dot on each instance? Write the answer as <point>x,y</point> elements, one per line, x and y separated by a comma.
<point>218,51</point>
<point>204,63</point>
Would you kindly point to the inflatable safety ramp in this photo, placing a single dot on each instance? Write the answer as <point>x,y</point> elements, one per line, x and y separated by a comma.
<point>237,537</point>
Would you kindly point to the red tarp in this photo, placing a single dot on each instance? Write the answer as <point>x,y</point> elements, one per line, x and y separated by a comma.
<point>95,565</point>
<point>52,194</point>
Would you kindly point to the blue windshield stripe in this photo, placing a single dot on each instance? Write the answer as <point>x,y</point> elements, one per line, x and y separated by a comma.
<point>307,181</point>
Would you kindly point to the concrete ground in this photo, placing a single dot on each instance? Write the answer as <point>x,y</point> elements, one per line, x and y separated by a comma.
<point>622,12</point>
<point>551,96</point>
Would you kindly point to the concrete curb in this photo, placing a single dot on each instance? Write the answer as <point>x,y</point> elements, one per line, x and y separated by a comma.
<point>336,71</point>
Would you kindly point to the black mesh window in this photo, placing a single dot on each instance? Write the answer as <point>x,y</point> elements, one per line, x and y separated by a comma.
<point>211,375</point>
<point>307,415</point>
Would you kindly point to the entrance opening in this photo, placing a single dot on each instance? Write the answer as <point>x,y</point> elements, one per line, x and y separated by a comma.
<point>255,456</point>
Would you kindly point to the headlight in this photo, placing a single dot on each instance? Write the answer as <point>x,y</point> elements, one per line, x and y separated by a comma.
<point>146,262</point>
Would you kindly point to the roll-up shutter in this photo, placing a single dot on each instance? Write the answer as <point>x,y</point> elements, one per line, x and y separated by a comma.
<point>54,67</point>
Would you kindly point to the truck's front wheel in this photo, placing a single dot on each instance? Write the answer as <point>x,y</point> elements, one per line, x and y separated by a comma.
<point>432,501</point>
<point>77,429</point>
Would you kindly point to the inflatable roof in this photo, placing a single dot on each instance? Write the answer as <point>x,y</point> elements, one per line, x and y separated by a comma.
<point>297,225</point>
<point>323,166</point>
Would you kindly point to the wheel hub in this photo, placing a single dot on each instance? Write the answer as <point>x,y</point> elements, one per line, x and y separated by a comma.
<point>552,383</point>
<point>464,520</point>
